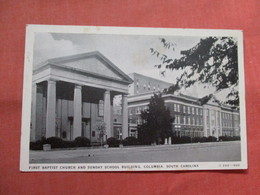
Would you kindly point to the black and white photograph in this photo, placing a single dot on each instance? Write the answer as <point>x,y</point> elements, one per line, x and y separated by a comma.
<point>133,99</point>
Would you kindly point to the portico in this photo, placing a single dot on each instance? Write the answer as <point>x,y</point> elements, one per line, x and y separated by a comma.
<point>212,119</point>
<point>71,95</point>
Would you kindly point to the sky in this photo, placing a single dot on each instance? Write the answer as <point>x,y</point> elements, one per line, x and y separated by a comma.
<point>130,53</point>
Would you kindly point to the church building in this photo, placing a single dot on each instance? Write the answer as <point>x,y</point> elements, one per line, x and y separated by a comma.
<point>72,95</point>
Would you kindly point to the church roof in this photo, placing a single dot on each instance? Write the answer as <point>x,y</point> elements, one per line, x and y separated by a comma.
<point>93,63</point>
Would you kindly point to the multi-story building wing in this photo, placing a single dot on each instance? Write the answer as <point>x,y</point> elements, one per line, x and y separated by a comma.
<point>187,113</point>
<point>230,120</point>
<point>140,86</point>
<point>136,104</point>
<point>191,118</point>
<point>143,84</point>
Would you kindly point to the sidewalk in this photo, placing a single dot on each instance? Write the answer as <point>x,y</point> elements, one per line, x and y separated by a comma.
<point>38,156</point>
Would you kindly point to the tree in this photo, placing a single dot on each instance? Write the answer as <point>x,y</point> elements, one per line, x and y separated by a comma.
<point>101,128</point>
<point>157,121</point>
<point>212,62</point>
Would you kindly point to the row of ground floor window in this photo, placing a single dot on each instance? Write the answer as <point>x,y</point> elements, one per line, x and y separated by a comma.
<point>201,133</point>
<point>191,131</point>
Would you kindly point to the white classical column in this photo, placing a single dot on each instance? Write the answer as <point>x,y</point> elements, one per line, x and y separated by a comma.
<point>125,116</point>
<point>107,113</point>
<point>170,141</point>
<point>51,109</point>
<point>77,110</point>
<point>210,122</point>
<point>216,124</point>
<point>33,113</point>
<point>220,123</point>
<point>165,141</point>
<point>205,131</point>
<point>112,116</point>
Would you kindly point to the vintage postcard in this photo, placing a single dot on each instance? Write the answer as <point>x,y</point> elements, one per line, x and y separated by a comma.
<point>133,99</point>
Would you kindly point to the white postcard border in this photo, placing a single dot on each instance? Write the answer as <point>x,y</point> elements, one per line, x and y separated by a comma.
<point>27,89</point>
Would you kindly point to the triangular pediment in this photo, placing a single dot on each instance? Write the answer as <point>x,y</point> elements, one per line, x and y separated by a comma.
<point>209,100</point>
<point>92,63</point>
<point>213,102</point>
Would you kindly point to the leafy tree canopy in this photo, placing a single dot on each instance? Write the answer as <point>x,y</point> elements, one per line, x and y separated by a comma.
<point>157,121</point>
<point>212,62</point>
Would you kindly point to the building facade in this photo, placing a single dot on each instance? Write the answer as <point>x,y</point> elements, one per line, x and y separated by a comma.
<point>72,95</point>
<point>143,84</point>
<point>191,118</point>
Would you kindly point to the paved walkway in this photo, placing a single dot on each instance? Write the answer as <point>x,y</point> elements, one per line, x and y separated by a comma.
<point>196,152</point>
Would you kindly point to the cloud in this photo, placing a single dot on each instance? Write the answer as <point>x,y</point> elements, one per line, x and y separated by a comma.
<point>129,53</point>
<point>45,47</point>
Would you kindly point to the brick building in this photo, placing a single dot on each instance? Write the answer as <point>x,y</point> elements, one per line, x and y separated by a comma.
<point>191,118</point>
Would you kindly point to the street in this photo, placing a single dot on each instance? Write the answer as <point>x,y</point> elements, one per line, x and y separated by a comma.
<point>195,152</point>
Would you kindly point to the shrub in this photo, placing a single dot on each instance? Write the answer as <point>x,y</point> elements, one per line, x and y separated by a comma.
<point>212,139</point>
<point>175,139</point>
<point>185,139</point>
<point>196,139</point>
<point>143,137</point>
<point>55,142</point>
<point>160,142</point>
<point>82,142</point>
<point>38,145</point>
<point>113,142</point>
<point>223,138</point>
<point>236,138</point>
<point>229,138</point>
<point>181,140</point>
<point>129,141</point>
<point>204,139</point>
<point>69,144</point>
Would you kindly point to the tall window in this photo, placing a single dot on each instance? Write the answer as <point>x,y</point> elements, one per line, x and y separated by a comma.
<point>178,107</point>
<point>207,116</point>
<point>178,119</point>
<point>174,107</point>
<point>101,108</point>
<point>137,110</point>
<point>139,121</point>
<point>184,109</point>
